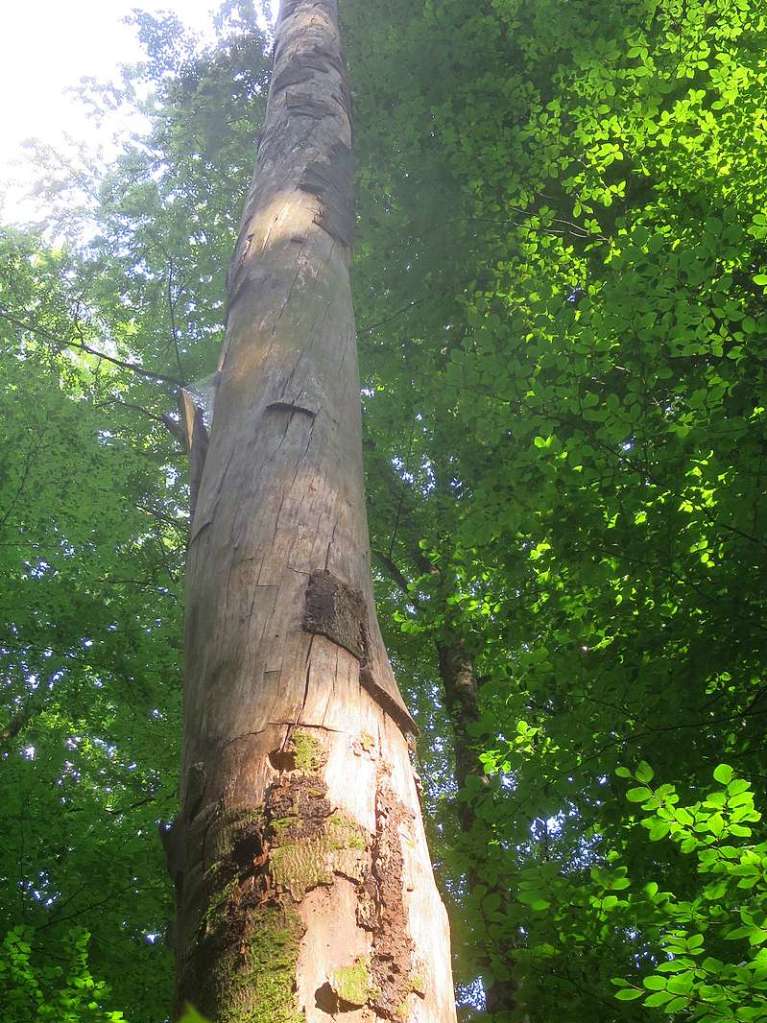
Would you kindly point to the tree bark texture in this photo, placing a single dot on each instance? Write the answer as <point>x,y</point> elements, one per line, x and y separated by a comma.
<point>304,886</point>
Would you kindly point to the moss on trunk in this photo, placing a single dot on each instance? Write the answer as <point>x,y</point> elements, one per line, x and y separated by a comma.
<point>255,980</point>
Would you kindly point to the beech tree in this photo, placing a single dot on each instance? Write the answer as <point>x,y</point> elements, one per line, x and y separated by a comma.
<point>303,881</point>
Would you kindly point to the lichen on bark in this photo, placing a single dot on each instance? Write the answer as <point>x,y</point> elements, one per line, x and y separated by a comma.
<point>298,866</point>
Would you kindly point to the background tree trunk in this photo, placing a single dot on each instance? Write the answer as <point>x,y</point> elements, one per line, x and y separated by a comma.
<point>461,686</point>
<point>304,886</point>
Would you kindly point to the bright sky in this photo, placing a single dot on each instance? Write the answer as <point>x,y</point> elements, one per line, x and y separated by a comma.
<point>46,47</point>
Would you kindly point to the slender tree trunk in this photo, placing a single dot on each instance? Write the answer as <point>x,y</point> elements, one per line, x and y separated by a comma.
<point>304,887</point>
<point>461,687</point>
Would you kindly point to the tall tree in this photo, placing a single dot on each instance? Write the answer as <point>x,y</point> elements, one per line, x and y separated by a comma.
<point>303,880</point>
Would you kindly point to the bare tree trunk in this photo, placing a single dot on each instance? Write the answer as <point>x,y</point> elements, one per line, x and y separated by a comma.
<point>304,886</point>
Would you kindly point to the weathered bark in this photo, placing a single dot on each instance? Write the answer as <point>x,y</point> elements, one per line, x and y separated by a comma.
<point>303,881</point>
<point>461,687</point>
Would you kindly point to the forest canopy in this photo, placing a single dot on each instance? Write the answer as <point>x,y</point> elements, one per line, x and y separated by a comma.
<point>560,283</point>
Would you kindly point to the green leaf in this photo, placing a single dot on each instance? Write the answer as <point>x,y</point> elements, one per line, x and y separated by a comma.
<point>676,1004</point>
<point>629,994</point>
<point>639,794</point>
<point>682,983</point>
<point>675,965</point>
<point>659,998</point>
<point>737,786</point>
<point>654,983</point>
<point>191,1015</point>
<point>659,830</point>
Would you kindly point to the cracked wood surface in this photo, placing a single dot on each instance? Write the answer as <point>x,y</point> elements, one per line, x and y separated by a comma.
<point>280,501</point>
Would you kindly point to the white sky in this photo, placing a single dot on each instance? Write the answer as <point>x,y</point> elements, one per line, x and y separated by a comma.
<point>46,47</point>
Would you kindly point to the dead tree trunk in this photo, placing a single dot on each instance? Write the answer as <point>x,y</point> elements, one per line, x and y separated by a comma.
<point>304,886</point>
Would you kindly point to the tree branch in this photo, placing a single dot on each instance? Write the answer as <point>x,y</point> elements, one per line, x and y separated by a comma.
<point>84,347</point>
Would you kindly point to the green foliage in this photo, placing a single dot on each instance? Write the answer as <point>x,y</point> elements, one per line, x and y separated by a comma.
<point>572,403</point>
<point>89,640</point>
<point>713,963</point>
<point>40,985</point>
<point>93,501</point>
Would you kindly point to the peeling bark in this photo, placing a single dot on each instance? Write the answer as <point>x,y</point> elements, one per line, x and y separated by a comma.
<point>461,687</point>
<point>303,881</point>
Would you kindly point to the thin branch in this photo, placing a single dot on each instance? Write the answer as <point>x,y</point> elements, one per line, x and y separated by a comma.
<point>83,346</point>
<point>391,569</point>
<point>626,740</point>
<point>131,806</point>
<point>136,408</point>
<point>170,424</point>
<point>382,323</point>
<point>180,525</point>
<point>20,489</point>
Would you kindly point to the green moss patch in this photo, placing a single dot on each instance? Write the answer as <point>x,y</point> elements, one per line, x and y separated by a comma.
<point>310,756</point>
<point>299,864</point>
<point>352,984</point>
<point>257,981</point>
